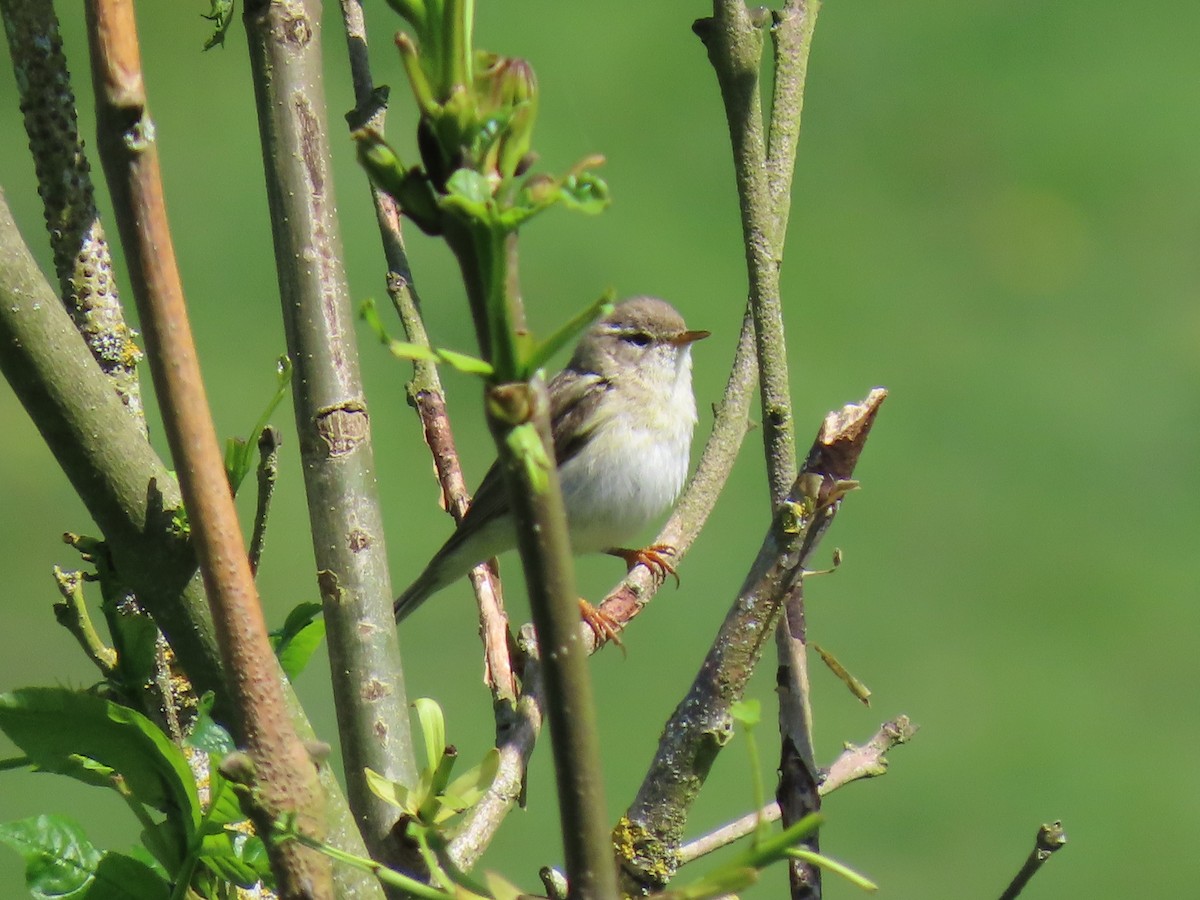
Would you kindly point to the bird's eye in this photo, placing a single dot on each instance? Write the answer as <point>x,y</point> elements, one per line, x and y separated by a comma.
<point>638,338</point>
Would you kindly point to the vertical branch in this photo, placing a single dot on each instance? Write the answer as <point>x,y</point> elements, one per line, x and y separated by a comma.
<point>764,163</point>
<point>81,257</point>
<point>285,778</point>
<point>331,412</point>
<point>425,393</point>
<point>518,416</point>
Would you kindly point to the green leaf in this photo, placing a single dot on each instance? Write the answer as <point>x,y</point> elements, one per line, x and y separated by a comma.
<point>206,734</point>
<point>240,453</point>
<point>470,192</point>
<point>61,863</point>
<point>468,365</point>
<point>299,638</point>
<point>135,638</point>
<point>394,793</point>
<point>221,15</point>
<point>746,712</point>
<point>467,789</point>
<point>526,445</point>
<point>567,333</point>
<point>722,882</point>
<point>84,736</point>
<point>433,731</point>
<point>585,192</point>
<point>223,855</point>
<point>837,868</point>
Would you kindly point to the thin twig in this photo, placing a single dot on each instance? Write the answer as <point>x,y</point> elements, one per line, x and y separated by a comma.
<point>127,491</point>
<point>649,835</point>
<point>1050,839</point>
<point>73,615</point>
<point>87,284</point>
<point>852,764</point>
<point>332,421</point>
<point>267,472</point>
<point>764,164</point>
<point>286,778</point>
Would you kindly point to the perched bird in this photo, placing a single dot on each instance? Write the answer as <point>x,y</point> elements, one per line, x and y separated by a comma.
<point>621,415</point>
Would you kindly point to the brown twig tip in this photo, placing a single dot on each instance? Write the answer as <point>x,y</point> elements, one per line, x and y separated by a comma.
<point>843,435</point>
<point>1050,838</point>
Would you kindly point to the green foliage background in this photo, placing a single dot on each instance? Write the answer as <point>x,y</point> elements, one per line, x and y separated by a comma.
<point>995,216</point>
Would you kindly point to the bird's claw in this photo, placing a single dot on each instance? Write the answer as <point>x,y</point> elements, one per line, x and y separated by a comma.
<point>653,558</point>
<point>603,626</point>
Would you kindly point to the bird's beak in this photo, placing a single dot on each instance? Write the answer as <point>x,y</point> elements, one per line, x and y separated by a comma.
<point>688,337</point>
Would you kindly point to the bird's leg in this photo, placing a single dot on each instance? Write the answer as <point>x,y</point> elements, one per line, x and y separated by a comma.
<point>604,626</point>
<point>653,558</point>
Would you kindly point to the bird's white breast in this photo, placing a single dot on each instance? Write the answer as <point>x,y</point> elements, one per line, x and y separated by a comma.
<point>634,466</point>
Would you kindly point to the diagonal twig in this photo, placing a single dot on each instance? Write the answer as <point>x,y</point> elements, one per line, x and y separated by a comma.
<point>649,834</point>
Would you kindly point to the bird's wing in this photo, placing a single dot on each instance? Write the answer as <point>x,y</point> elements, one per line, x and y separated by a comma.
<point>574,406</point>
<point>573,401</point>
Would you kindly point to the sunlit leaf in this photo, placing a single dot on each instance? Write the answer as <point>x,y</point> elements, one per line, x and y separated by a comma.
<point>298,639</point>
<point>433,731</point>
<point>393,792</point>
<point>72,733</point>
<point>62,864</point>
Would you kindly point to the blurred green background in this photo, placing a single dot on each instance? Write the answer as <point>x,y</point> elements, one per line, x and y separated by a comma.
<point>995,216</point>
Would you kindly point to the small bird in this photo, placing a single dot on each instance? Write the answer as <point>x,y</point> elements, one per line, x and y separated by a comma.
<point>621,415</point>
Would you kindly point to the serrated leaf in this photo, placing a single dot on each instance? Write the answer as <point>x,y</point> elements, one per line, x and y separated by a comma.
<point>433,731</point>
<point>62,864</point>
<point>74,733</point>
<point>219,853</point>
<point>298,639</point>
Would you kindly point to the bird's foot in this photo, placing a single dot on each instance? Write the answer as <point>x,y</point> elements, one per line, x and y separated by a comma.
<point>653,558</point>
<point>603,626</point>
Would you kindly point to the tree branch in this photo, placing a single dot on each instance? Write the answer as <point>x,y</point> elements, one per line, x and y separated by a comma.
<point>331,412</point>
<point>649,835</point>
<point>852,764</point>
<point>1050,839</point>
<point>425,393</point>
<point>126,490</point>
<point>285,778</point>
<point>764,165</point>
<point>82,261</point>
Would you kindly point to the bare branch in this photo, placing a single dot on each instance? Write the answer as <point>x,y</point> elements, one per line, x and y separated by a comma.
<point>1050,838</point>
<point>649,835</point>
<point>866,761</point>
<point>331,413</point>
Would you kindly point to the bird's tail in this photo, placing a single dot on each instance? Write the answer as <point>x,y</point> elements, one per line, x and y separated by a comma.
<point>416,594</point>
